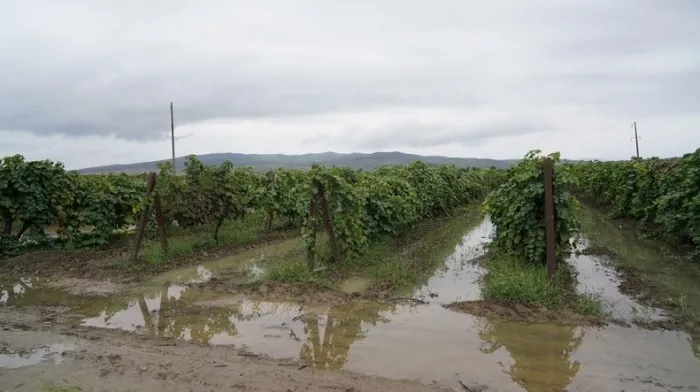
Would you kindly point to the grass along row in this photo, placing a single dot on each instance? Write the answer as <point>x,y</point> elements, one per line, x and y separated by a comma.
<point>517,264</point>
<point>389,263</point>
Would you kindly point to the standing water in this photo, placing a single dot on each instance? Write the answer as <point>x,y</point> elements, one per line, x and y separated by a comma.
<point>424,342</point>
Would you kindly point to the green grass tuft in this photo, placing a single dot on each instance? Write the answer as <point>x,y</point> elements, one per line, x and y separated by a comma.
<point>290,272</point>
<point>510,280</point>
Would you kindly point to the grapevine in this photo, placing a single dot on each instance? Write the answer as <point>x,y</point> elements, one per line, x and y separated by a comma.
<point>517,210</point>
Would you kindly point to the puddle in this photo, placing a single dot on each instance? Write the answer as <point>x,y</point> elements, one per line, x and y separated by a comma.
<point>424,342</point>
<point>596,276</point>
<point>35,356</point>
<point>355,285</point>
<point>677,278</point>
<point>457,279</point>
<point>421,342</point>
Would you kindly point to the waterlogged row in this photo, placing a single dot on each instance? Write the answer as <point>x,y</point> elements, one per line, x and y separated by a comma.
<point>661,195</point>
<point>85,210</point>
<point>371,338</point>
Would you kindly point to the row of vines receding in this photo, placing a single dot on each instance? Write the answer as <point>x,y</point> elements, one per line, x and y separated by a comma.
<point>42,201</point>
<point>661,195</point>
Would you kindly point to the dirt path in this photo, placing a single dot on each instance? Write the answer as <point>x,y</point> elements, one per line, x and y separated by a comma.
<point>84,359</point>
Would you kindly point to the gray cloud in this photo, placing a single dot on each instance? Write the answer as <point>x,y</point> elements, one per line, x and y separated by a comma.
<point>77,69</point>
<point>416,134</point>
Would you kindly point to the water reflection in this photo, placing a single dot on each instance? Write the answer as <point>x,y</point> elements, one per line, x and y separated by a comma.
<point>342,326</point>
<point>541,353</point>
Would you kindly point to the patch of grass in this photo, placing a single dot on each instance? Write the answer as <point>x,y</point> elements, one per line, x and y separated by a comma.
<point>511,281</point>
<point>232,232</point>
<point>294,271</point>
<point>398,262</point>
<point>589,303</point>
<point>390,263</point>
<point>52,387</point>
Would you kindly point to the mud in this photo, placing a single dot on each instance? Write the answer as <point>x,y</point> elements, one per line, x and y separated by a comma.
<point>77,286</point>
<point>167,331</point>
<point>104,360</point>
<point>299,292</point>
<point>523,313</point>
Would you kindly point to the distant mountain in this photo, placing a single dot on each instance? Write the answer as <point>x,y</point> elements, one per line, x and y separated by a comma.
<point>273,161</point>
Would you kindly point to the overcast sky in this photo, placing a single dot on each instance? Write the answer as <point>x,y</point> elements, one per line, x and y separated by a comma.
<point>90,82</point>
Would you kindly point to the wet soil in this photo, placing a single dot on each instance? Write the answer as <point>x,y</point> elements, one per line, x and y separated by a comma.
<point>167,331</point>
<point>56,357</point>
<point>647,270</point>
<point>524,313</point>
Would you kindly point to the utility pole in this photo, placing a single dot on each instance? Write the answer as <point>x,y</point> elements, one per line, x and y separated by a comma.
<point>172,135</point>
<point>636,138</point>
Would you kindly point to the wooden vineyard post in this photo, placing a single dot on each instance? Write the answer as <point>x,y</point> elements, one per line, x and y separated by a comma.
<point>550,235</point>
<point>313,211</point>
<point>160,220</point>
<point>141,228</point>
<point>328,223</point>
<point>271,211</point>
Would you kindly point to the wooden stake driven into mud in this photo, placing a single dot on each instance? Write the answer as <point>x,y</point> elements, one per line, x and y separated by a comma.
<point>327,222</point>
<point>271,211</point>
<point>550,235</point>
<point>318,199</point>
<point>140,229</point>
<point>313,211</point>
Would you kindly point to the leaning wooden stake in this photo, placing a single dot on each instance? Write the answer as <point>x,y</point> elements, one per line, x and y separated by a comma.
<point>550,235</point>
<point>328,223</point>
<point>141,228</point>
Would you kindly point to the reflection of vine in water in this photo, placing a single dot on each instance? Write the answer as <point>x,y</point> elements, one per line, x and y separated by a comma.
<point>695,343</point>
<point>176,318</point>
<point>343,327</point>
<point>540,352</point>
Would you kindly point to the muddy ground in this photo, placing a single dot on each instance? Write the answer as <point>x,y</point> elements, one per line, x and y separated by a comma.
<point>86,359</point>
<point>524,313</point>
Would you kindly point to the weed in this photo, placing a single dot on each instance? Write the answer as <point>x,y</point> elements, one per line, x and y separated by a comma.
<point>510,280</point>
<point>233,232</point>
<point>294,271</point>
<point>641,314</point>
<point>591,303</point>
<point>52,387</point>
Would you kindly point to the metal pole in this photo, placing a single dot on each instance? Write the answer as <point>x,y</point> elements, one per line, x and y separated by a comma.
<point>172,134</point>
<point>636,139</point>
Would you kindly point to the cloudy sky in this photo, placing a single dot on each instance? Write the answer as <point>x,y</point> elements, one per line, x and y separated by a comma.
<point>90,82</point>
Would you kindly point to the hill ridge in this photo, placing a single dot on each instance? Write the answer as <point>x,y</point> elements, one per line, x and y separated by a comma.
<point>354,160</point>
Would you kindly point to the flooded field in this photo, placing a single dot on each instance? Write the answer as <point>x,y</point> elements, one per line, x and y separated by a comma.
<point>398,340</point>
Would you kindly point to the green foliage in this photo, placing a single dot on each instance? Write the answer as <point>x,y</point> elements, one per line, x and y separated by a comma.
<point>97,206</point>
<point>85,209</point>
<point>517,211</point>
<point>661,195</point>
<point>363,205</point>
<point>31,192</point>
<point>206,194</point>
<point>368,205</point>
